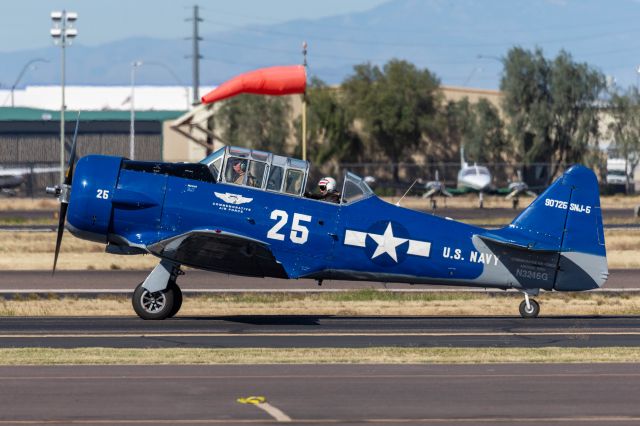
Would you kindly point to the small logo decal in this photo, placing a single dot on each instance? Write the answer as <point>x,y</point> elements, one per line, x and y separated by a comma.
<point>230,198</point>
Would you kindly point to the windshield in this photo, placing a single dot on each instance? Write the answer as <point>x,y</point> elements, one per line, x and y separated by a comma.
<point>354,189</point>
<point>212,157</point>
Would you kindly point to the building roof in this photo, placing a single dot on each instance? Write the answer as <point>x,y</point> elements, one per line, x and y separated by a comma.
<point>35,114</point>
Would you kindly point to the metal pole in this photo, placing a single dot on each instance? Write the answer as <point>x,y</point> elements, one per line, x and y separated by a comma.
<point>63,42</point>
<point>304,127</point>
<point>22,72</point>
<point>196,57</point>
<point>132,129</point>
<point>304,108</point>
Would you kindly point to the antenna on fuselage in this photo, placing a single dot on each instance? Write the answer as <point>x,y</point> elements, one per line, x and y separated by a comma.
<point>405,194</point>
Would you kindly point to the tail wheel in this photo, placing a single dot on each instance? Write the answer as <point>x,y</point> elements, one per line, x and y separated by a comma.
<point>155,306</point>
<point>532,311</point>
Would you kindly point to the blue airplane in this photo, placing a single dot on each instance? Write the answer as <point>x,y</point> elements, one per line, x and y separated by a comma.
<point>244,212</point>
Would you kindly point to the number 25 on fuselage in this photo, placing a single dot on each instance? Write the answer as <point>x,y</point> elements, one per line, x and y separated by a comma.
<point>243,212</point>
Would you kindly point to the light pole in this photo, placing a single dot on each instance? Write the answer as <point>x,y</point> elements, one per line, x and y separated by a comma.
<point>175,77</point>
<point>63,33</point>
<point>132,127</point>
<point>24,69</point>
<point>471,74</point>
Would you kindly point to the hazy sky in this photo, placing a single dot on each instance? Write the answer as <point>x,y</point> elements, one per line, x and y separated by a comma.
<point>25,23</point>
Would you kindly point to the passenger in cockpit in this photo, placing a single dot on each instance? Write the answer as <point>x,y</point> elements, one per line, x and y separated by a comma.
<point>327,186</point>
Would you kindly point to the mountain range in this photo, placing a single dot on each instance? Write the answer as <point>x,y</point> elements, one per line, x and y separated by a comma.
<point>461,41</point>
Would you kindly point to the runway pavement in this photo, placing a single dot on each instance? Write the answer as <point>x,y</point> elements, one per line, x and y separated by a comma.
<point>319,331</point>
<point>512,394</point>
<point>125,282</point>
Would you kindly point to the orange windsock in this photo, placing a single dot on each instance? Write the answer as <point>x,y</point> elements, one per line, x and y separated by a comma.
<point>283,80</point>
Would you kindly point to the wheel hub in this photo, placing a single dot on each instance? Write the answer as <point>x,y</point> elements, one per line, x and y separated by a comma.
<point>153,302</point>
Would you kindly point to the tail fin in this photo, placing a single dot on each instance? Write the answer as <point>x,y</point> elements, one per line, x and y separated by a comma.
<point>566,218</point>
<point>463,162</point>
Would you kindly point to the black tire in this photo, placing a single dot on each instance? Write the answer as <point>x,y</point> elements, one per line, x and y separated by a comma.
<point>533,312</point>
<point>177,299</point>
<point>153,306</point>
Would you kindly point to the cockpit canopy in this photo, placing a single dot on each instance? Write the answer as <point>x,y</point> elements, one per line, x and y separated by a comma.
<point>475,170</point>
<point>258,169</point>
<point>270,172</point>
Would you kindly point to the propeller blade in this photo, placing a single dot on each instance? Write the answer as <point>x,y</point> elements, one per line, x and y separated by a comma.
<point>447,193</point>
<point>72,156</point>
<point>61,219</point>
<point>64,202</point>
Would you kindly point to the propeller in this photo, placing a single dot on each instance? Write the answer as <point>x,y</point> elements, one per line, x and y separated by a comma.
<point>63,192</point>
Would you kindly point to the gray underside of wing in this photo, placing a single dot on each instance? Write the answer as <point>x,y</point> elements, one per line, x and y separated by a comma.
<point>221,252</point>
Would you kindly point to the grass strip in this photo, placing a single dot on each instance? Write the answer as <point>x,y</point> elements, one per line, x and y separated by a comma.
<point>350,303</point>
<point>376,355</point>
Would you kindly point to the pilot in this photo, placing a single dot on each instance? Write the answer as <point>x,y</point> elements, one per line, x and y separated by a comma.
<point>327,187</point>
<point>240,168</point>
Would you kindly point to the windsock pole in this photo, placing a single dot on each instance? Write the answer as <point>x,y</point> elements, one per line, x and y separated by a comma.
<point>304,108</point>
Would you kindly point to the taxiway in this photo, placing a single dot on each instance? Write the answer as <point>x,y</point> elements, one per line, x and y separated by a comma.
<point>319,331</point>
<point>513,394</point>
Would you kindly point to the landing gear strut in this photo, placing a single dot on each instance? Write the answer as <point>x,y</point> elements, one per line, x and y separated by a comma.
<point>159,297</point>
<point>529,308</point>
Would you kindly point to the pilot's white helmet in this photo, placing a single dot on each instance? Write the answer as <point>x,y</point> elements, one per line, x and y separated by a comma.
<point>327,183</point>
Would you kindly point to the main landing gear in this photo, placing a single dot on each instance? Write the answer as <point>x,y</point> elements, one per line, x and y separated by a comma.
<point>529,308</point>
<point>159,297</point>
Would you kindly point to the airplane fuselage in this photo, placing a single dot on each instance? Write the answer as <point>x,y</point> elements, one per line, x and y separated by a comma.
<point>242,230</point>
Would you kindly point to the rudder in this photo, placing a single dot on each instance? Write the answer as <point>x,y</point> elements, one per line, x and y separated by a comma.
<point>566,218</point>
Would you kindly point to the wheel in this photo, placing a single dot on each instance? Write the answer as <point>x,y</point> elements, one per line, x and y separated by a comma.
<point>154,306</point>
<point>177,299</point>
<point>532,312</point>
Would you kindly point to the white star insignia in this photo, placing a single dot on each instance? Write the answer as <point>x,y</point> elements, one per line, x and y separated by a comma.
<point>387,243</point>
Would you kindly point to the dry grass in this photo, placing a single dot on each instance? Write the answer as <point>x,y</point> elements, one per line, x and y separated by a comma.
<point>34,251</point>
<point>11,204</point>
<point>380,355</point>
<point>356,303</point>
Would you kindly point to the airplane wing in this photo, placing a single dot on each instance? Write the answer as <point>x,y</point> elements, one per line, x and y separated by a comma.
<point>511,195</point>
<point>220,251</point>
<point>429,193</point>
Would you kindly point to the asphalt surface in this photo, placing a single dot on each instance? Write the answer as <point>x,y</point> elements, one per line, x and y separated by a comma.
<point>316,331</point>
<point>194,280</point>
<point>512,394</point>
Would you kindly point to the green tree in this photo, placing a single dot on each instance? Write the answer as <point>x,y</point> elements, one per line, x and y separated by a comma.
<point>331,138</point>
<point>396,105</point>
<point>624,128</point>
<point>552,106</point>
<point>259,122</point>
<point>485,138</point>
